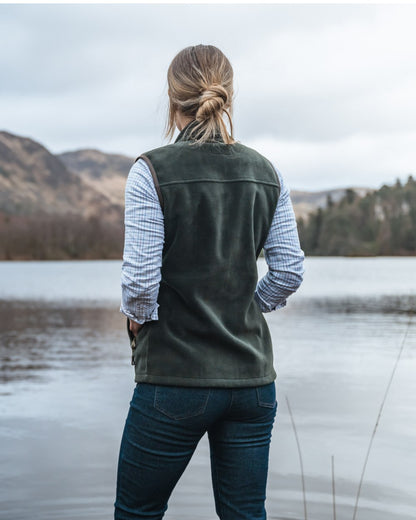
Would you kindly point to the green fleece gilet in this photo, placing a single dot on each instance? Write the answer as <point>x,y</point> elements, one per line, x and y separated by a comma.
<point>218,202</point>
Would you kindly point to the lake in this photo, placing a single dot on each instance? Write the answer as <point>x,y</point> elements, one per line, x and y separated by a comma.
<point>66,382</point>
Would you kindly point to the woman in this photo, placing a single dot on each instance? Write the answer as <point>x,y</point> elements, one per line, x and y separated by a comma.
<point>198,213</point>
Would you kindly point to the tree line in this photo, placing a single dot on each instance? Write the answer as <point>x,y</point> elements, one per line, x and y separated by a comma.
<point>382,222</point>
<point>59,237</point>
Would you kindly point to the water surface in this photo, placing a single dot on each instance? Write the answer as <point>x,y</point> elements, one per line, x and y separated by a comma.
<point>66,382</point>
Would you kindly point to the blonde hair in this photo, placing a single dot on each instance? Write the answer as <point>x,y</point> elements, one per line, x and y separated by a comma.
<point>200,86</point>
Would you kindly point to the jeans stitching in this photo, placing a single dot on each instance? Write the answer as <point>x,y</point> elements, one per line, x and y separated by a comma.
<point>263,403</point>
<point>218,502</point>
<point>177,417</point>
<point>231,402</point>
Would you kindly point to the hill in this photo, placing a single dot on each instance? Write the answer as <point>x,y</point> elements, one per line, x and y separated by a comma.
<point>383,222</point>
<point>71,205</point>
<point>105,173</point>
<point>48,211</point>
<point>306,202</point>
<point>34,181</point>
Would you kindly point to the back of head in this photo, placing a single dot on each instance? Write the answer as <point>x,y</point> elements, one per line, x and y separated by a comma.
<point>200,87</point>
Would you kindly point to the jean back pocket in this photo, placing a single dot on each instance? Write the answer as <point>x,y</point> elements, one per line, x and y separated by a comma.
<point>266,395</point>
<point>181,402</point>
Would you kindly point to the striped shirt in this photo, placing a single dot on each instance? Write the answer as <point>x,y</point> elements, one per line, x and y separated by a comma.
<point>143,247</point>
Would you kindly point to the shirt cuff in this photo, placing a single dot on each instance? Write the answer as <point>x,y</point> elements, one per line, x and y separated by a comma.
<point>267,307</point>
<point>142,319</point>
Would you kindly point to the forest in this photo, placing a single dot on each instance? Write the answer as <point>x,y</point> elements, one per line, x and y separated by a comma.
<point>381,223</point>
<point>59,237</point>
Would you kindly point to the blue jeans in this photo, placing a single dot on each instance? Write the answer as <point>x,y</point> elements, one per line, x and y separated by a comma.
<point>162,430</point>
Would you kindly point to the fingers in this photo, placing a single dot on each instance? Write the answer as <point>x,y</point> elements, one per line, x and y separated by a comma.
<point>135,327</point>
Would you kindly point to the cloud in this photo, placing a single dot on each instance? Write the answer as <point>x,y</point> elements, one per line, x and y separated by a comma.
<point>322,88</point>
<point>360,160</point>
<point>330,82</point>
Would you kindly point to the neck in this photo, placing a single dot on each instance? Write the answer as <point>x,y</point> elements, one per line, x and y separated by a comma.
<point>181,120</point>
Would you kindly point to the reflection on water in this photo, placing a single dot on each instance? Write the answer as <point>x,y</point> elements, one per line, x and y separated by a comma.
<point>38,338</point>
<point>404,305</point>
<point>66,381</point>
<point>387,304</point>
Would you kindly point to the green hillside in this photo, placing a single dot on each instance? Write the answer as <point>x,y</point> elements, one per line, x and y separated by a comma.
<point>382,222</point>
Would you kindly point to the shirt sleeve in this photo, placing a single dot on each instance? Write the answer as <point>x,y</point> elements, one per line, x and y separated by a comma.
<point>283,255</point>
<point>143,246</point>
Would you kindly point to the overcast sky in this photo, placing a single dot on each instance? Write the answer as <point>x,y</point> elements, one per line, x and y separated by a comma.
<point>327,92</point>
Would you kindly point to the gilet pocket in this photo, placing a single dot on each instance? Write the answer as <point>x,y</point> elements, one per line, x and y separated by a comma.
<point>180,402</point>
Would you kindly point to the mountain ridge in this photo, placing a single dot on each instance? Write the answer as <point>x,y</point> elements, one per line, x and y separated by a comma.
<point>35,181</point>
<point>101,176</point>
<point>71,204</point>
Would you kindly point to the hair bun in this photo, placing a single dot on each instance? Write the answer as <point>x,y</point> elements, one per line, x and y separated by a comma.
<point>211,102</point>
<point>200,87</point>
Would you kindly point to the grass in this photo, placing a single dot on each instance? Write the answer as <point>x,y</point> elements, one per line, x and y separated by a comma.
<point>380,412</point>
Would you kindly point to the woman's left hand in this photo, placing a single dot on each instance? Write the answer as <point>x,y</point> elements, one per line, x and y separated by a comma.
<point>135,327</point>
